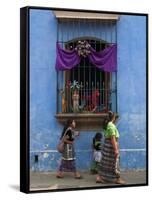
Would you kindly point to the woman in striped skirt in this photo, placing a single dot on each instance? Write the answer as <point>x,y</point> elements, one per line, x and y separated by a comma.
<point>108,169</point>
<point>68,156</point>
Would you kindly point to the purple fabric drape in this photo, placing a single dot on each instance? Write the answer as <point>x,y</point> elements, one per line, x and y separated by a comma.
<point>105,60</point>
<point>66,60</point>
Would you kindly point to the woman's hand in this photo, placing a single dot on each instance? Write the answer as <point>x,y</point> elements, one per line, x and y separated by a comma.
<point>115,146</point>
<point>68,141</point>
<point>77,133</point>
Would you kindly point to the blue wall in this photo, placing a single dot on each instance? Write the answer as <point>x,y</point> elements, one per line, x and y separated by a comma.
<point>44,128</point>
<point>131,87</point>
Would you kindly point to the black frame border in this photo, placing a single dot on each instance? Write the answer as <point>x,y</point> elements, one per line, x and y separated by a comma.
<point>25,98</point>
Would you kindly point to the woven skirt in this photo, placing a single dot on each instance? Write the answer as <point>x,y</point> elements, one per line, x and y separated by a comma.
<point>68,159</point>
<point>67,166</point>
<point>69,152</point>
<point>109,166</point>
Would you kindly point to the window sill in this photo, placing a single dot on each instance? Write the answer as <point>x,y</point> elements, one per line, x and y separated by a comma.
<point>84,121</point>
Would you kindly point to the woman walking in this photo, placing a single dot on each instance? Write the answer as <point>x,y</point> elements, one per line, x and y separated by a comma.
<point>109,165</point>
<point>68,156</point>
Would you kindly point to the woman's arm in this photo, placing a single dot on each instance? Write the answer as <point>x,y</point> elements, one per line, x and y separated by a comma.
<point>68,141</point>
<point>115,145</point>
<point>68,136</point>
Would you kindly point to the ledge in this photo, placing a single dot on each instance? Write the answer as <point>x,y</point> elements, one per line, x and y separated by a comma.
<point>84,121</point>
<point>85,15</point>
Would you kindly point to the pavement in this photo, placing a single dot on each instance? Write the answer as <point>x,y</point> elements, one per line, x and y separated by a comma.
<point>48,181</point>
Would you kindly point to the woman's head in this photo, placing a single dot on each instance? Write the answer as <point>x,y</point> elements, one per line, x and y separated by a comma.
<point>71,123</point>
<point>112,117</point>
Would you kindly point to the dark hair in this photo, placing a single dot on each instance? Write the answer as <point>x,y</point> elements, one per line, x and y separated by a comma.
<point>105,123</point>
<point>108,119</point>
<point>68,124</point>
<point>97,137</point>
<point>111,115</point>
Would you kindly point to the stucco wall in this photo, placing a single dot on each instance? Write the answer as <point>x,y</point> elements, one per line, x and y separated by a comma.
<point>131,37</point>
<point>44,128</point>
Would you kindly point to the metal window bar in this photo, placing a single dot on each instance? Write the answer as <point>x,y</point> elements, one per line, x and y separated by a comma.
<point>57,94</point>
<point>79,28</point>
<point>95,69</point>
<point>110,78</point>
<point>99,84</point>
<point>116,71</point>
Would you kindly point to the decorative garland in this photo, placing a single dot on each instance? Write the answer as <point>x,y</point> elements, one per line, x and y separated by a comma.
<point>83,48</point>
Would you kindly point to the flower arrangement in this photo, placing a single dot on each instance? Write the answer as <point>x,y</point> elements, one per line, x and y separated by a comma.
<point>83,48</point>
<point>75,85</point>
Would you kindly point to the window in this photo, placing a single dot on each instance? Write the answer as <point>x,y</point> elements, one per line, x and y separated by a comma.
<point>96,93</point>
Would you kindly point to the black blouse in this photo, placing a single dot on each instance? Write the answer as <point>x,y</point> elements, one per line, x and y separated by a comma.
<point>70,135</point>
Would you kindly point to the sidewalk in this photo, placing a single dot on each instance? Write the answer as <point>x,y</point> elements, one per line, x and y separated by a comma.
<point>48,180</point>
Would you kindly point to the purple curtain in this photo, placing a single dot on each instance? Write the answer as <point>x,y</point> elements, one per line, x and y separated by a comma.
<point>105,60</point>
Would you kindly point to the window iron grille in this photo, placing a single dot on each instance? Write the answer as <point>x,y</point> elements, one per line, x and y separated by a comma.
<point>86,89</point>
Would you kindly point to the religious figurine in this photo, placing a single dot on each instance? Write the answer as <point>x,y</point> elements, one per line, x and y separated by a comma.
<point>64,103</point>
<point>75,95</point>
<point>75,99</point>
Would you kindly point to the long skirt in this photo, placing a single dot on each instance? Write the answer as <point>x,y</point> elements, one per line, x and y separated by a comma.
<point>109,166</point>
<point>68,159</point>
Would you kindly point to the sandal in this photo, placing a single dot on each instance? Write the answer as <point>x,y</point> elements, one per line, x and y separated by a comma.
<point>120,181</point>
<point>59,176</point>
<point>99,180</point>
<point>78,177</point>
